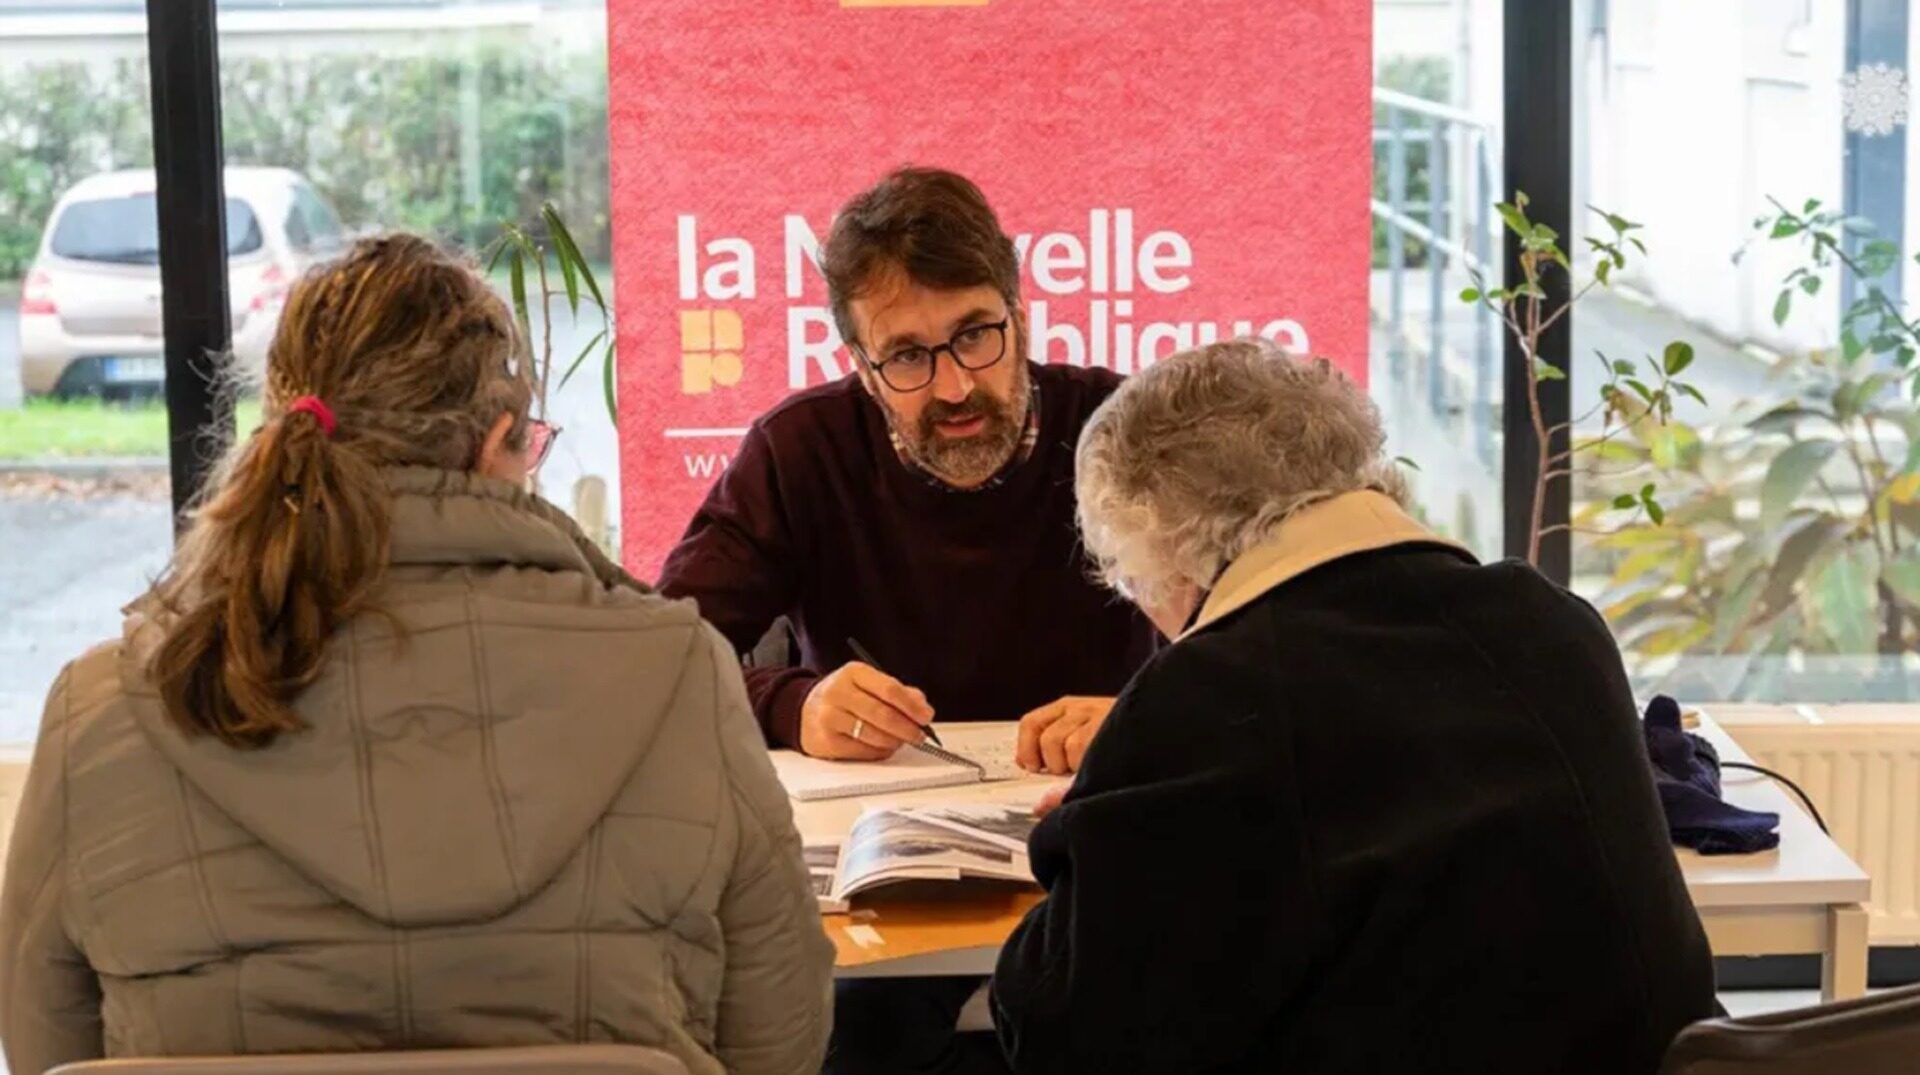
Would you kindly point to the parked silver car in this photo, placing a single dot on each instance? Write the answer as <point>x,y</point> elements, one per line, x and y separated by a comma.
<point>90,309</point>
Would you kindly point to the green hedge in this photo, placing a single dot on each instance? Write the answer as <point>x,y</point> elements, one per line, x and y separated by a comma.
<point>381,137</point>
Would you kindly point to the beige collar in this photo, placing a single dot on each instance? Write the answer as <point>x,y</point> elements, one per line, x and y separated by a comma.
<point>1319,534</point>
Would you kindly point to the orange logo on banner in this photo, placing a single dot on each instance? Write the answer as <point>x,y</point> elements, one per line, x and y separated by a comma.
<point>710,346</point>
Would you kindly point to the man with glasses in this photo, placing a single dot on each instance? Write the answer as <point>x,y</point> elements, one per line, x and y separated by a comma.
<point>922,510</point>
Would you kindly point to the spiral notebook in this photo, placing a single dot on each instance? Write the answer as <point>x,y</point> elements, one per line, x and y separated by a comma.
<point>975,754</point>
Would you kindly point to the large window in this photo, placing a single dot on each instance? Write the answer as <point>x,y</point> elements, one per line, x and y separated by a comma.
<point>83,455</point>
<point>455,120</point>
<point>1435,360</point>
<point>1772,176</point>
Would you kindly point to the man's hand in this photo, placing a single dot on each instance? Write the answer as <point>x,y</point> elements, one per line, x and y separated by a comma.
<point>862,714</point>
<point>1051,800</point>
<point>1054,737</point>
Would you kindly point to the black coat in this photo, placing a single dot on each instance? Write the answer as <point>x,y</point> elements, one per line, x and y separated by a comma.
<point>1391,815</point>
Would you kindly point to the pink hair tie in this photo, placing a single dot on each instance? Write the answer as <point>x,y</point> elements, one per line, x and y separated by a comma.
<point>317,407</point>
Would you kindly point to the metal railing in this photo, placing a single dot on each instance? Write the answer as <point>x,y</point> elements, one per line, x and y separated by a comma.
<point>1446,232</point>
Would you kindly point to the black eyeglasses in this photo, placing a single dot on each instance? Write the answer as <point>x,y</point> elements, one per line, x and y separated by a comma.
<point>973,348</point>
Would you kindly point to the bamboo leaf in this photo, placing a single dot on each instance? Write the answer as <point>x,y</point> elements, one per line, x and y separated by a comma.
<point>607,385</point>
<point>1788,476</point>
<point>574,367</point>
<point>570,251</point>
<point>517,269</point>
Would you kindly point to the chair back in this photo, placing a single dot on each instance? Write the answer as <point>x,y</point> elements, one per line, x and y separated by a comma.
<point>519,1060</point>
<point>1873,1035</point>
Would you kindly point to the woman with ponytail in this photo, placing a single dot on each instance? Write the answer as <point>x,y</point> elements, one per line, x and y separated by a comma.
<point>392,757</point>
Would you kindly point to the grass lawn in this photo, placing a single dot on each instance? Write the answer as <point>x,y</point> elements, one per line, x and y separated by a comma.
<point>81,429</point>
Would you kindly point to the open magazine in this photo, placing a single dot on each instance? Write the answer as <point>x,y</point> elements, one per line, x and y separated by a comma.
<point>923,843</point>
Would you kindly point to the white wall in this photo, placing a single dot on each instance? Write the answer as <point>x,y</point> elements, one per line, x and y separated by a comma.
<point>1699,111</point>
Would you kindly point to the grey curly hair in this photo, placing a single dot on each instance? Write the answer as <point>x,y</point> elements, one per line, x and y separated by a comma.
<point>1194,461</point>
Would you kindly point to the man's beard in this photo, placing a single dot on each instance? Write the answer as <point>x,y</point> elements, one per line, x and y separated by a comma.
<point>967,461</point>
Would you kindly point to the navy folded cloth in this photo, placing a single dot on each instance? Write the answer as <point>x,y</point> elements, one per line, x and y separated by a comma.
<point>1686,772</point>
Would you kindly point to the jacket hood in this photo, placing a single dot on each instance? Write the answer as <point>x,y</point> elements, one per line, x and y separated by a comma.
<point>446,776</point>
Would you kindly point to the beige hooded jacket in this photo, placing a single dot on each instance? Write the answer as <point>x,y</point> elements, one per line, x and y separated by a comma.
<point>544,814</point>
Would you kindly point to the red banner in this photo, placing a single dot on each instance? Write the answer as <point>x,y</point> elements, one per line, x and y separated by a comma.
<point>1172,172</point>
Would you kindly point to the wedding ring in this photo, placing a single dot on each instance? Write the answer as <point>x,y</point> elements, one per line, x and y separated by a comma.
<point>858,726</point>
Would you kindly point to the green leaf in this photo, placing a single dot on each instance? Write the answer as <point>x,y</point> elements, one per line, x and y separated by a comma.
<point>1850,346</point>
<point>1638,245</point>
<point>1654,511</point>
<point>1690,391</point>
<point>1408,463</point>
<point>1786,226</point>
<point>498,249</point>
<point>1843,596</point>
<point>1603,272</point>
<point>570,252</point>
<point>1547,371</point>
<point>1678,357</point>
<point>1640,389</point>
<point>1672,444</point>
<point>1471,294</point>
<point>1810,284</point>
<point>574,367</point>
<point>1812,206</point>
<point>607,385</point>
<point>1903,356</point>
<point>1902,575</point>
<point>1625,501</point>
<point>1625,368</point>
<point>1782,306</point>
<point>1807,543</point>
<point>1736,609</point>
<point>1515,219</point>
<point>1782,419</point>
<point>517,270</point>
<point>1788,476</point>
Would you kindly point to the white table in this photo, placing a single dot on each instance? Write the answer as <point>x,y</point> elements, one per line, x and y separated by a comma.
<point>1805,898</point>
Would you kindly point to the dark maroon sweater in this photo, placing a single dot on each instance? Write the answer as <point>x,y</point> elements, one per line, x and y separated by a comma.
<point>982,599</point>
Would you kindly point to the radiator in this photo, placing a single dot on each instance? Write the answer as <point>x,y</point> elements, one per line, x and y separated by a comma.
<point>1860,764</point>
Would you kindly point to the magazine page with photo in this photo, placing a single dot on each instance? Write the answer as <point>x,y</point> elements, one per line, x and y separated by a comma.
<point>946,842</point>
